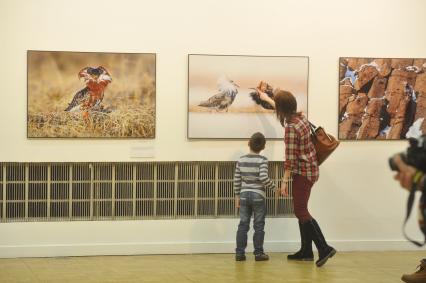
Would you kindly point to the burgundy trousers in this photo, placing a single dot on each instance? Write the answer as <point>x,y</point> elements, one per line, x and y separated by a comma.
<point>301,192</point>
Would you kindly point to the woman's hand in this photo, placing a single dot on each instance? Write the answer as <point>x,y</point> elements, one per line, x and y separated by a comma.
<point>284,189</point>
<point>263,96</point>
<point>277,192</point>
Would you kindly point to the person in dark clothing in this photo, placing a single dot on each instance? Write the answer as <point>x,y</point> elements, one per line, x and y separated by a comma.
<point>409,177</point>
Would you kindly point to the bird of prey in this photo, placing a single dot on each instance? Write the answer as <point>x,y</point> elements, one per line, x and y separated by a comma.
<point>90,97</point>
<point>266,88</point>
<point>222,100</point>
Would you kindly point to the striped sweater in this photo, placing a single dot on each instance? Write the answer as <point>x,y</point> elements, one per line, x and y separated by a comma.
<point>251,174</point>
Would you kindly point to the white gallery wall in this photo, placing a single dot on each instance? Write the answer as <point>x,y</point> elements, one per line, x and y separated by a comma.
<point>356,201</point>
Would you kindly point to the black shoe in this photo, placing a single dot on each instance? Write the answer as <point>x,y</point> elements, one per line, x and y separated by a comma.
<point>305,253</point>
<point>324,250</point>
<point>325,255</point>
<point>239,257</point>
<point>261,257</point>
<point>301,256</point>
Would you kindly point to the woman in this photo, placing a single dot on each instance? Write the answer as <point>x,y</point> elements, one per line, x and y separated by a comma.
<point>301,162</point>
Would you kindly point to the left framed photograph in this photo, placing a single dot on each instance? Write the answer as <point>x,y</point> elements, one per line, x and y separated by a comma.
<point>91,94</point>
<point>223,101</point>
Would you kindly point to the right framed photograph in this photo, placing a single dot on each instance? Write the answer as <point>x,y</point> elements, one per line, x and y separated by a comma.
<point>381,98</point>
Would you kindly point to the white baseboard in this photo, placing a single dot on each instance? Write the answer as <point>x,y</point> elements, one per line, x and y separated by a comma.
<point>183,248</point>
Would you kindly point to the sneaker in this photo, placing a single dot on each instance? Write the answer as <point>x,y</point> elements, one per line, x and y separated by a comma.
<point>261,257</point>
<point>417,277</point>
<point>240,257</point>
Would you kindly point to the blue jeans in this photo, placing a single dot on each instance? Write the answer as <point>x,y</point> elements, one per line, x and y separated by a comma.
<point>251,203</point>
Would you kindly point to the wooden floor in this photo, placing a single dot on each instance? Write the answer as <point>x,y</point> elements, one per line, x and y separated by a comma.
<point>374,267</point>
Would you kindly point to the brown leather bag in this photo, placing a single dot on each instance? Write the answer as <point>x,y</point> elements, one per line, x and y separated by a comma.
<point>324,143</point>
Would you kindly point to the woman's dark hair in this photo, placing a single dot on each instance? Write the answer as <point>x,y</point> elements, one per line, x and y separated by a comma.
<point>285,105</point>
<point>257,142</point>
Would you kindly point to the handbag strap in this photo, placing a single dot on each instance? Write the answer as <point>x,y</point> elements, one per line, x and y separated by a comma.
<point>410,202</point>
<point>312,127</point>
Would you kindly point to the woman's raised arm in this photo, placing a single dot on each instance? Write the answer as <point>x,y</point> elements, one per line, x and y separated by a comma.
<point>265,97</point>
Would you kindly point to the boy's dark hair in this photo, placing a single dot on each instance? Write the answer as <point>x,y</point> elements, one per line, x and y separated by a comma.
<point>257,142</point>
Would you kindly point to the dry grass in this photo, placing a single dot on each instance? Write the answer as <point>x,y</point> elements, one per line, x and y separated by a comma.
<point>52,83</point>
<point>133,123</point>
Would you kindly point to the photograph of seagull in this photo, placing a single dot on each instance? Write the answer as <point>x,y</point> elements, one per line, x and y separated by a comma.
<point>227,92</point>
<point>223,93</point>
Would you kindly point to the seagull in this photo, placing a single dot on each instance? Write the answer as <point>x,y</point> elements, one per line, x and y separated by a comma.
<point>222,100</point>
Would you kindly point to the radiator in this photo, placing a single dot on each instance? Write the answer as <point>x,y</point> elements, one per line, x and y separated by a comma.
<point>125,191</point>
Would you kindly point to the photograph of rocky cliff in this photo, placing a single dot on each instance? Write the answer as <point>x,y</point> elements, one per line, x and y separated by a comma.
<point>382,98</point>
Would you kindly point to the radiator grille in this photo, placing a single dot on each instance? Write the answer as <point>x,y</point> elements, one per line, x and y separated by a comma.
<point>123,191</point>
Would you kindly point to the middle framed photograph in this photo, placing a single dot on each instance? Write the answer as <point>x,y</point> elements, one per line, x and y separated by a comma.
<point>223,98</point>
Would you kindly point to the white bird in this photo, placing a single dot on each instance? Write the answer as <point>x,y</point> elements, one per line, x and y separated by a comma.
<point>227,92</point>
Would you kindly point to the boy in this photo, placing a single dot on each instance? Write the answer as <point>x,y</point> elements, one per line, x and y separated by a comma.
<point>250,182</point>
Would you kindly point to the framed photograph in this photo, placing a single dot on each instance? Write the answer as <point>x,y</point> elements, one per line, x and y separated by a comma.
<point>381,98</point>
<point>91,95</point>
<point>222,99</point>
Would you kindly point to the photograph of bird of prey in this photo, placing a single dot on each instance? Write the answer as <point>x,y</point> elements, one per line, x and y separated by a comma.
<point>91,95</point>
<point>223,94</point>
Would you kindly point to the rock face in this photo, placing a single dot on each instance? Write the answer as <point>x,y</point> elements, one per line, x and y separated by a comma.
<point>397,83</point>
<point>371,120</point>
<point>378,87</point>
<point>408,76</point>
<point>397,110</point>
<point>346,90</point>
<point>386,97</point>
<point>365,74</point>
<point>355,63</point>
<point>420,90</point>
<point>384,66</point>
<point>420,63</point>
<point>343,63</point>
<point>401,63</point>
<point>398,94</point>
<point>353,115</point>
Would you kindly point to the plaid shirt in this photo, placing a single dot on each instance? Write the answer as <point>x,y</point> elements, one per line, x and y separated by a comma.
<point>300,154</point>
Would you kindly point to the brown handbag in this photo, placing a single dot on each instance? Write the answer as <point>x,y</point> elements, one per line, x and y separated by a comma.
<point>324,143</point>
